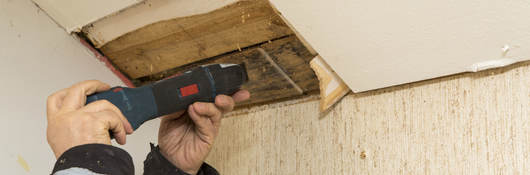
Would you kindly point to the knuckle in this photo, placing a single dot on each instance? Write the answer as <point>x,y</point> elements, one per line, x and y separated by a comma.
<point>77,85</point>
<point>198,106</point>
<point>49,99</point>
<point>74,89</point>
<point>51,96</point>
<point>225,103</point>
<point>81,85</point>
<point>89,81</point>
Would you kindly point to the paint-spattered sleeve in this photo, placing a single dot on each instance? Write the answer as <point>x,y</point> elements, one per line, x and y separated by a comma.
<point>94,159</point>
<point>157,164</point>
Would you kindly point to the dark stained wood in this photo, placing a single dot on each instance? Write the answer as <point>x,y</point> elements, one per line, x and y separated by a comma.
<point>266,84</point>
<point>168,44</point>
<point>294,58</point>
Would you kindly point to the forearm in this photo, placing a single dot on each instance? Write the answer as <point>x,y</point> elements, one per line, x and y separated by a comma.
<point>94,158</point>
<point>157,164</point>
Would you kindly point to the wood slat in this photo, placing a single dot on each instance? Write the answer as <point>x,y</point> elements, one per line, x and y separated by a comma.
<point>172,43</point>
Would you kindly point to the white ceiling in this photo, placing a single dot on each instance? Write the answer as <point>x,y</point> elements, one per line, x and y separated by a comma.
<point>379,43</point>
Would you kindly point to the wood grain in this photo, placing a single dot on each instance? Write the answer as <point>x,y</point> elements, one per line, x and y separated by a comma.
<point>266,84</point>
<point>465,124</point>
<point>172,43</point>
<point>145,13</point>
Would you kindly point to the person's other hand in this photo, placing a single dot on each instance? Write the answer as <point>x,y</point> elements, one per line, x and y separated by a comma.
<point>186,139</point>
<point>71,123</point>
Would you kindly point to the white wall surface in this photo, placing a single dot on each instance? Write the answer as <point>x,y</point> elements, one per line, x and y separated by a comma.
<point>37,57</point>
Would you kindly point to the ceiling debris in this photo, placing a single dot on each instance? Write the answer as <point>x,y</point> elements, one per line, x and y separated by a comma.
<point>332,88</point>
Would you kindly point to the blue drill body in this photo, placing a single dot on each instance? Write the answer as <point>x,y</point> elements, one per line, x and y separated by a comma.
<point>164,97</point>
<point>137,104</point>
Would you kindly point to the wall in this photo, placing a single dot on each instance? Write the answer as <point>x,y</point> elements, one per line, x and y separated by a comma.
<point>38,58</point>
<point>464,124</point>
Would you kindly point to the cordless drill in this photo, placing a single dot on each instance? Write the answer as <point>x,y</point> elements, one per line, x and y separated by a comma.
<point>201,84</point>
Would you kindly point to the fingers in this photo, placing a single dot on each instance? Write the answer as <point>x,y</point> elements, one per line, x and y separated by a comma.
<point>76,95</point>
<point>112,123</point>
<point>241,95</point>
<point>53,104</point>
<point>104,105</point>
<point>206,109</point>
<point>206,113</point>
<point>225,103</point>
<point>203,125</point>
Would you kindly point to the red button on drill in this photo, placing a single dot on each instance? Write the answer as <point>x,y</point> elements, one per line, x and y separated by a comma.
<point>189,90</point>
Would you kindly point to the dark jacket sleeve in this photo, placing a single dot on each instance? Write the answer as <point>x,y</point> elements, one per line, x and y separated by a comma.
<point>96,158</point>
<point>157,164</point>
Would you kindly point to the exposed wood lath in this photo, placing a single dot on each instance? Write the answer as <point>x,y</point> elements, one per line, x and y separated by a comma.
<point>172,43</point>
<point>247,31</point>
<point>145,13</point>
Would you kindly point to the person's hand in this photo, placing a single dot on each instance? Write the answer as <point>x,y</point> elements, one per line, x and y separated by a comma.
<point>71,123</point>
<point>186,139</point>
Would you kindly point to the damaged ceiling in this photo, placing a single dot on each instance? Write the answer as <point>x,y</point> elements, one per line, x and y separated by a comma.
<point>248,32</point>
<point>370,44</point>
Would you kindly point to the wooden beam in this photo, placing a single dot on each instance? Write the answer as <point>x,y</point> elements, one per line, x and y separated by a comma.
<point>172,43</point>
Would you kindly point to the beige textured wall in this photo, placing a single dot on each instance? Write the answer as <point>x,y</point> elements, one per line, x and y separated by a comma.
<point>464,124</point>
